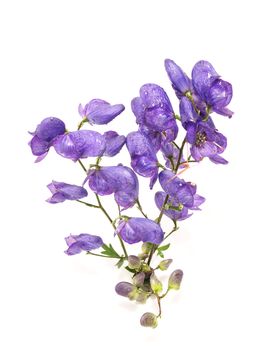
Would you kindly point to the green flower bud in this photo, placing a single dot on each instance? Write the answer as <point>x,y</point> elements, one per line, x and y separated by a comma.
<point>142,297</point>
<point>146,268</point>
<point>146,247</point>
<point>164,264</point>
<point>134,262</point>
<point>138,279</point>
<point>149,320</point>
<point>175,279</point>
<point>156,285</point>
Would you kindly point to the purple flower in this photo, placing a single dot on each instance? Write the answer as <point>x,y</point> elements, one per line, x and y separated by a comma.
<point>114,143</point>
<point>62,191</point>
<point>82,242</point>
<point>80,144</point>
<point>135,230</point>
<point>182,193</point>
<point>176,212</point>
<point>153,108</point>
<point>100,112</point>
<point>206,141</point>
<point>44,135</point>
<point>143,156</point>
<point>216,92</point>
<point>180,81</point>
<point>120,180</point>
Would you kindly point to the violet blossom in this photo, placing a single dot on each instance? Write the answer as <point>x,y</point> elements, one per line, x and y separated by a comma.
<point>62,191</point>
<point>82,242</point>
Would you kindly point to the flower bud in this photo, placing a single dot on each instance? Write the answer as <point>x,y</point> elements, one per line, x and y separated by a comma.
<point>175,279</point>
<point>156,285</point>
<point>149,320</point>
<point>164,264</point>
<point>125,289</point>
<point>138,279</point>
<point>146,247</point>
<point>141,297</point>
<point>146,268</point>
<point>134,262</point>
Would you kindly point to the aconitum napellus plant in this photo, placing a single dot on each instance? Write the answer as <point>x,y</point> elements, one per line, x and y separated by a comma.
<point>155,153</point>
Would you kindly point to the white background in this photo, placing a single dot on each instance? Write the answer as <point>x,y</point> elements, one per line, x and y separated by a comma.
<point>56,54</point>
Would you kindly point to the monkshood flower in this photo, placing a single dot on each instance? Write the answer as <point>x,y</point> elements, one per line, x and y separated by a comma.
<point>143,156</point>
<point>62,191</point>
<point>114,143</point>
<point>181,83</point>
<point>206,141</point>
<point>216,92</point>
<point>120,180</point>
<point>44,135</point>
<point>136,230</point>
<point>80,144</point>
<point>177,211</point>
<point>182,193</point>
<point>156,132</point>
<point>99,111</point>
<point>82,242</point>
<point>153,109</point>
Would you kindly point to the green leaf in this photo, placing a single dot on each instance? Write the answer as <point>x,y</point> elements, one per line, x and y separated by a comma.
<point>120,262</point>
<point>162,249</point>
<point>110,251</point>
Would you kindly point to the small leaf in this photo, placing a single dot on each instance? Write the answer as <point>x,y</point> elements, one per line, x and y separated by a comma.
<point>164,247</point>
<point>120,263</point>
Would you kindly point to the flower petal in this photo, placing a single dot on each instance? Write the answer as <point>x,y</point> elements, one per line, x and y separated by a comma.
<point>82,242</point>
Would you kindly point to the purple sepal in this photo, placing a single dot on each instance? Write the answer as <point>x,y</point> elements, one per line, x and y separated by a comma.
<point>62,191</point>
<point>100,112</point>
<point>180,81</point>
<point>181,214</point>
<point>44,135</point>
<point>136,230</point>
<point>80,144</point>
<point>120,180</point>
<point>82,242</point>
<point>114,143</point>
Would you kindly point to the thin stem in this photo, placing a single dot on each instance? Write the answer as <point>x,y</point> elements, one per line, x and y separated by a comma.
<point>112,223</point>
<point>180,155</point>
<point>159,305</point>
<point>88,204</point>
<point>140,208</point>
<point>164,295</point>
<point>172,231</point>
<point>102,256</point>
<point>82,165</point>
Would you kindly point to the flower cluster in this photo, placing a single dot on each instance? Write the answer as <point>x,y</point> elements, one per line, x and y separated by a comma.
<point>162,148</point>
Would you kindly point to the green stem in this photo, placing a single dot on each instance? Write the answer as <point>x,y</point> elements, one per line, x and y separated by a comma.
<point>82,165</point>
<point>140,208</point>
<point>88,204</point>
<point>112,223</point>
<point>102,256</point>
<point>180,156</point>
<point>159,305</point>
<point>172,231</point>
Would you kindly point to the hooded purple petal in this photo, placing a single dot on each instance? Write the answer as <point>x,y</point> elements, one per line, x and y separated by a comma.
<point>44,135</point>
<point>187,112</point>
<point>49,128</point>
<point>180,81</point>
<point>80,144</point>
<point>219,96</point>
<point>82,242</point>
<point>62,191</point>
<point>119,180</point>
<point>203,75</point>
<point>100,112</point>
<point>143,156</point>
<point>114,143</point>
<point>140,229</point>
